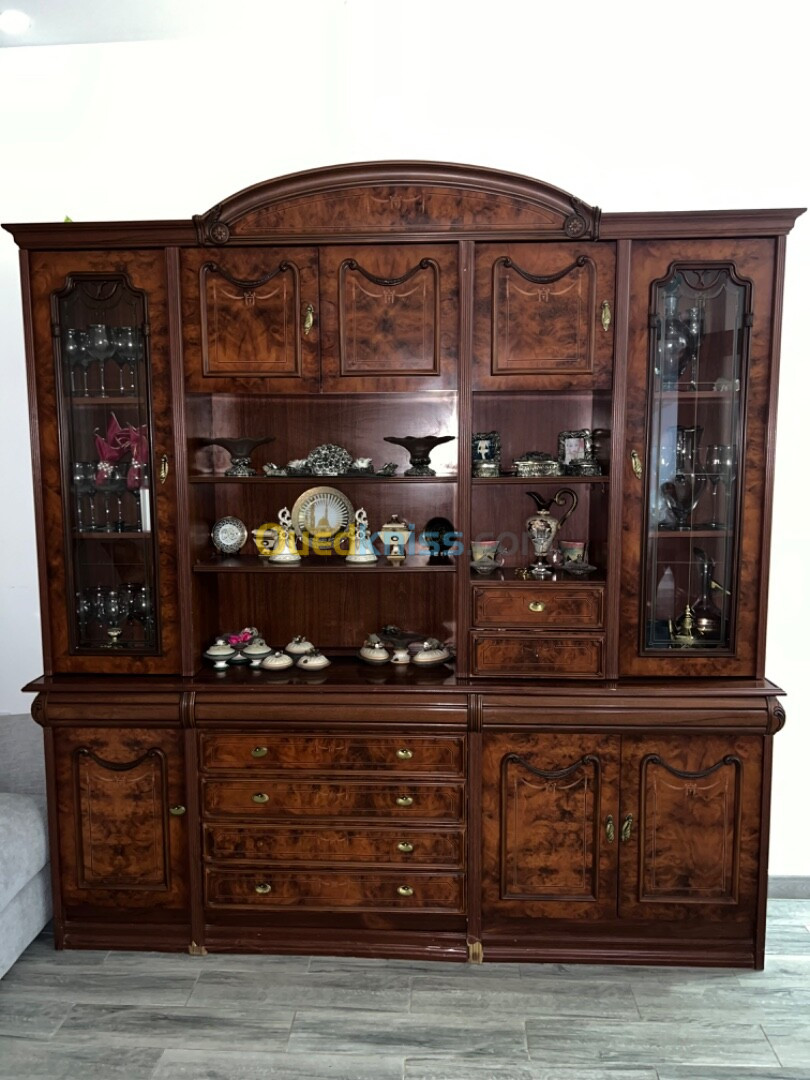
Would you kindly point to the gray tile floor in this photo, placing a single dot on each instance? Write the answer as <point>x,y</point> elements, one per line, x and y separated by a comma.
<point>164,1016</point>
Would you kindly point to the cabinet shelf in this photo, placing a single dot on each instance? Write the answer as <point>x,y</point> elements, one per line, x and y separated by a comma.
<point>697,395</point>
<point>486,480</point>
<point>561,579</point>
<point>331,481</point>
<point>124,534</point>
<point>691,533</point>
<point>79,400</point>
<point>254,564</point>
<point>343,671</point>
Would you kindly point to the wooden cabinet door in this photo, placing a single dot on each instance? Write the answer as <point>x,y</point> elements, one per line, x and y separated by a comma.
<point>105,466</point>
<point>544,316</point>
<point>122,826</point>
<point>549,825</point>
<point>389,318</point>
<point>250,320</point>
<point>695,473</point>
<point>691,850</point>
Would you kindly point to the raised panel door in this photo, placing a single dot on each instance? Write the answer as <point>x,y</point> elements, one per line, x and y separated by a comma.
<point>690,828</point>
<point>549,825</point>
<point>389,319</point>
<point>122,823</point>
<point>543,316</point>
<point>250,320</point>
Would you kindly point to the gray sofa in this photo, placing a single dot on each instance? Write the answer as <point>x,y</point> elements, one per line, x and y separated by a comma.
<point>25,889</point>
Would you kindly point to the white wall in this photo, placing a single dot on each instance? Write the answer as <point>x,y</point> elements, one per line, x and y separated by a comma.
<point>631,106</point>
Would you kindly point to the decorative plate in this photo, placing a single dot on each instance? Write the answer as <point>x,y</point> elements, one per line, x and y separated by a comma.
<point>322,511</point>
<point>229,535</point>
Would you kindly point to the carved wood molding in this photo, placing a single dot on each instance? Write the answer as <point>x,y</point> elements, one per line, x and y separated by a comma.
<point>541,279</point>
<point>656,759</point>
<point>394,197</point>
<point>553,774</point>
<point>776,716</point>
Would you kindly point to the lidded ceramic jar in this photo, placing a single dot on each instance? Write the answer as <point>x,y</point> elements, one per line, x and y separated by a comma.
<point>256,651</point>
<point>299,645</point>
<point>219,653</point>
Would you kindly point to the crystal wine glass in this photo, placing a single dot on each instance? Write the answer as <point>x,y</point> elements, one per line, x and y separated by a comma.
<point>101,348</point>
<point>84,483</point>
<point>112,617</point>
<point>713,467</point>
<point>127,351</point>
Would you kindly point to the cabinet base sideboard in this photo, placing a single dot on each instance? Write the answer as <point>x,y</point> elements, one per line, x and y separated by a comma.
<point>561,823</point>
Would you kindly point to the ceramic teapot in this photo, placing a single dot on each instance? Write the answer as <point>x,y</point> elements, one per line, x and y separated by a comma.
<point>543,527</point>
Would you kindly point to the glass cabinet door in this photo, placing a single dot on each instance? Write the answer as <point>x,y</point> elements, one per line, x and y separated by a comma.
<point>101,339</point>
<point>698,364</point>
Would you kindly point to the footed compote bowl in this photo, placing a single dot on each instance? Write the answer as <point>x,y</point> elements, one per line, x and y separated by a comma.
<point>240,451</point>
<point>419,447</point>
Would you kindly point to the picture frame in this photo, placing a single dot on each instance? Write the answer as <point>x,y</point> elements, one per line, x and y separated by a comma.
<point>486,447</point>
<point>575,446</point>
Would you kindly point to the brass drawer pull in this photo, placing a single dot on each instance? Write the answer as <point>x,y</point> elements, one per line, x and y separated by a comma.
<point>261,797</point>
<point>177,811</point>
<point>404,754</point>
<point>536,605</point>
<point>259,751</point>
<point>627,828</point>
<point>635,462</point>
<point>404,800</point>
<point>405,890</point>
<point>606,315</point>
<point>610,829</point>
<point>404,847</point>
<point>264,889</point>
<point>163,472</point>
<point>309,318</point>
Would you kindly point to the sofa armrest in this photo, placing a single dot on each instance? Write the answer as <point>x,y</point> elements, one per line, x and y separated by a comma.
<point>22,760</point>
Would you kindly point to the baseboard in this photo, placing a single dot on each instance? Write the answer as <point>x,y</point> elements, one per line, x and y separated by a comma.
<point>789,888</point>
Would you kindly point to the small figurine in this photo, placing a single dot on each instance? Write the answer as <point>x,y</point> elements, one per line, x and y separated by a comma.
<point>361,550</point>
<point>285,550</point>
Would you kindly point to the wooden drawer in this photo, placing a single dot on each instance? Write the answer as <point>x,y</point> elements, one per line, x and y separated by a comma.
<point>342,889</point>
<point>539,655</point>
<point>349,753</point>
<point>399,847</point>
<point>577,607</point>
<point>321,799</point>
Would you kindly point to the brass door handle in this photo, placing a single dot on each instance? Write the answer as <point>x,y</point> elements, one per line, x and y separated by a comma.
<point>536,605</point>
<point>610,829</point>
<point>263,889</point>
<point>163,473</point>
<point>606,316</point>
<point>627,828</point>
<point>309,318</point>
<point>405,890</point>
<point>261,797</point>
<point>177,811</point>
<point>405,847</point>
<point>635,462</point>
<point>259,751</point>
<point>404,754</point>
<point>404,800</point>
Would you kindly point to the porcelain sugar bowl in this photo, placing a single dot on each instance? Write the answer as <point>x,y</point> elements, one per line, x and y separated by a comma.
<point>313,661</point>
<point>256,651</point>
<point>373,651</point>
<point>219,653</point>
<point>277,661</point>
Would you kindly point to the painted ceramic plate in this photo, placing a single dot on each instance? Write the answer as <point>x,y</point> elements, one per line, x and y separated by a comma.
<point>229,535</point>
<point>322,511</point>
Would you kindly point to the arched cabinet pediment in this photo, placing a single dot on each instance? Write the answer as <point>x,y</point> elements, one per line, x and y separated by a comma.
<point>395,198</point>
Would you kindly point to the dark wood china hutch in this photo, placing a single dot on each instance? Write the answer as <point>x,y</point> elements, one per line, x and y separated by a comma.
<point>588,777</point>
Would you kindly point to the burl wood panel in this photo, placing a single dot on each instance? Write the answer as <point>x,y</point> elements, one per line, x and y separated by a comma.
<point>250,319</point>
<point>694,847</point>
<point>539,316</point>
<point>145,270</point>
<point>752,259</point>
<point>546,804</point>
<point>405,800</point>
<point>268,844</point>
<point>574,608</point>
<point>119,845</point>
<point>396,197</point>
<point>404,754</point>
<point>358,891</point>
<point>556,657</point>
<point>389,318</point>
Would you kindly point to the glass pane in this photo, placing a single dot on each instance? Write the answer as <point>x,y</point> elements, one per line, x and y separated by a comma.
<point>698,353</point>
<point>103,366</point>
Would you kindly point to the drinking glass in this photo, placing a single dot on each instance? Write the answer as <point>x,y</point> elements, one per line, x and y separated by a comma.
<point>84,484</point>
<point>714,467</point>
<point>127,351</point>
<point>100,347</point>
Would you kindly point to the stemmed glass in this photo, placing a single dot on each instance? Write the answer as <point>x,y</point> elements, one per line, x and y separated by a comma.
<point>84,483</point>
<point>127,353</point>
<point>101,348</point>
<point>74,347</point>
<point>716,455</point>
<point>113,617</point>
<point>117,485</point>
<point>142,610</point>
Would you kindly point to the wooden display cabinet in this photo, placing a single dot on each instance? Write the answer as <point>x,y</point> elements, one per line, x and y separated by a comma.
<point>588,778</point>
